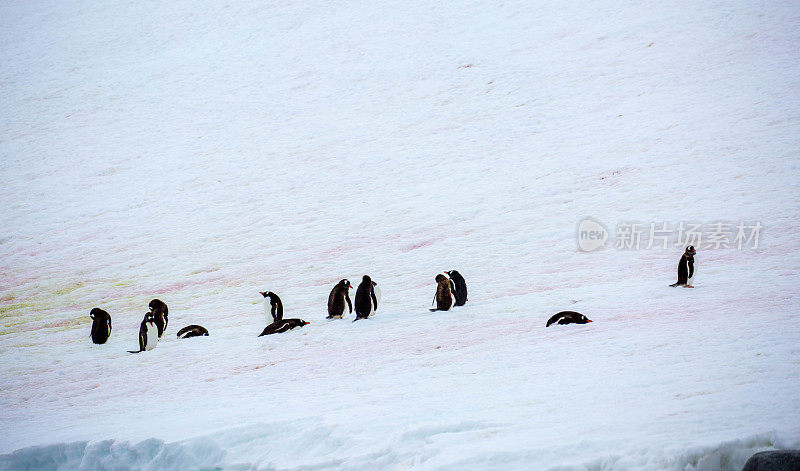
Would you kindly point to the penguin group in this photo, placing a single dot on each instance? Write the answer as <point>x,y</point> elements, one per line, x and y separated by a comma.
<point>151,329</point>
<point>451,291</point>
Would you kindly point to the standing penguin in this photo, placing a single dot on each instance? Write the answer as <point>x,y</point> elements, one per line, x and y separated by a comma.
<point>279,324</point>
<point>366,298</point>
<point>339,294</point>
<point>444,295</point>
<point>273,307</point>
<point>148,333</point>
<point>686,268</point>
<point>460,291</point>
<point>101,325</point>
<point>161,314</point>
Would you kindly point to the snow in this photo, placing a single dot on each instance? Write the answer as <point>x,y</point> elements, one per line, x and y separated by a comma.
<point>201,152</point>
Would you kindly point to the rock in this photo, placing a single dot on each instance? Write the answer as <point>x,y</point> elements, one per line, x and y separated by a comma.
<point>784,460</point>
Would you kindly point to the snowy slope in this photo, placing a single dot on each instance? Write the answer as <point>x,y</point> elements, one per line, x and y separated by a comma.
<point>201,152</point>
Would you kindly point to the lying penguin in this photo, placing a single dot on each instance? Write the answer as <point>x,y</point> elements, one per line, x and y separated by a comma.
<point>193,330</point>
<point>279,324</point>
<point>568,317</point>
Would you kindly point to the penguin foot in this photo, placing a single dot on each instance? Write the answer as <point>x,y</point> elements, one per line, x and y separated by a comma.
<point>688,286</point>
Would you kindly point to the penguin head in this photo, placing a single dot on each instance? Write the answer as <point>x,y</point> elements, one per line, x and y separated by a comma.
<point>156,304</point>
<point>149,316</point>
<point>95,312</point>
<point>583,319</point>
<point>440,278</point>
<point>345,284</point>
<point>366,279</point>
<point>690,250</point>
<point>270,295</point>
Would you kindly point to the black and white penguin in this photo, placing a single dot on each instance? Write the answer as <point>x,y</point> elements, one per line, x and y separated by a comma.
<point>367,298</point>
<point>444,295</point>
<point>275,313</point>
<point>161,313</point>
<point>273,307</point>
<point>460,291</point>
<point>336,300</point>
<point>192,331</point>
<point>568,317</point>
<point>686,268</point>
<point>148,333</point>
<point>281,326</point>
<point>101,325</point>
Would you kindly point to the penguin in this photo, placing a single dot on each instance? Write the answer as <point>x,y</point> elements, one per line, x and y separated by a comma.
<point>366,298</point>
<point>273,307</point>
<point>339,294</point>
<point>460,286</point>
<point>444,296</point>
<point>161,313</point>
<point>279,324</point>
<point>148,333</point>
<point>101,325</point>
<point>568,317</point>
<point>686,268</point>
<point>376,291</point>
<point>192,331</point>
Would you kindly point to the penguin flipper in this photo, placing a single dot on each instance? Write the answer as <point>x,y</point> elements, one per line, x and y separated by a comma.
<point>555,319</point>
<point>142,338</point>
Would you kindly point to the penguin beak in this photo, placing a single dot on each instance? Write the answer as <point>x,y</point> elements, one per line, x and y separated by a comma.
<point>588,320</point>
<point>263,293</point>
